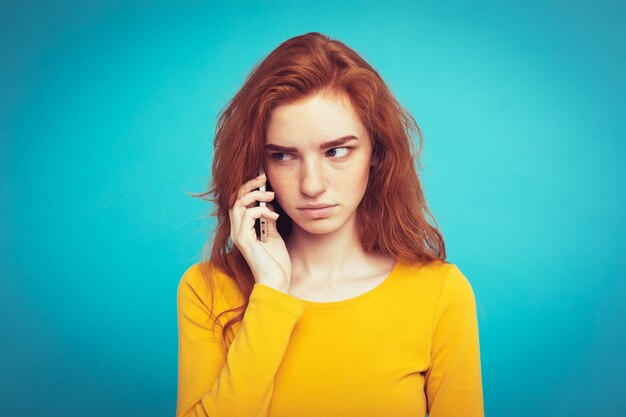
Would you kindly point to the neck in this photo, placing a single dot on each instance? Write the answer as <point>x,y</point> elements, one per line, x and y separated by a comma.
<point>324,257</point>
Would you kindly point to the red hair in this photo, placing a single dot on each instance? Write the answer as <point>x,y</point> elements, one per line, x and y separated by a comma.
<point>393,207</point>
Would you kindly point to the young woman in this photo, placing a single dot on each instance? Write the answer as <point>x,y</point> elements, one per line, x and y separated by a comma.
<point>349,308</point>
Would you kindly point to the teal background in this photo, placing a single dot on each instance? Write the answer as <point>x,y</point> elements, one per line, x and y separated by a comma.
<point>107,111</point>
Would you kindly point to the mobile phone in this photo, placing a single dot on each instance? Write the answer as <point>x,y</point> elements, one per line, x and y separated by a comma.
<point>261,224</point>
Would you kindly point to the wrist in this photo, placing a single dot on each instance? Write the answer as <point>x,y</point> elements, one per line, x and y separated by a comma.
<point>279,286</point>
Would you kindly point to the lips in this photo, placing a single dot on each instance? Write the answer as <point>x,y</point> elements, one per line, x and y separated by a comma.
<point>317,211</point>
<point>315,206</point>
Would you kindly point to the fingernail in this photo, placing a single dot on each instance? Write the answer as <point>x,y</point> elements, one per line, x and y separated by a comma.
<point>269,192</point>
<point>261,176</point>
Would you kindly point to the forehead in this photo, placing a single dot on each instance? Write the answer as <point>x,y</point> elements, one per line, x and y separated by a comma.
<point>314,119</point>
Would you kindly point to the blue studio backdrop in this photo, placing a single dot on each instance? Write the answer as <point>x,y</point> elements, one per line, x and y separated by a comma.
<point>107,115</point>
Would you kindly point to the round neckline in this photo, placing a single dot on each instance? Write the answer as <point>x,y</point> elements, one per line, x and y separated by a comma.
<point>331,305</point>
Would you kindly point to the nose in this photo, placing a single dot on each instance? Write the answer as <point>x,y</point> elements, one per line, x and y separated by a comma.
<point>312,179</point>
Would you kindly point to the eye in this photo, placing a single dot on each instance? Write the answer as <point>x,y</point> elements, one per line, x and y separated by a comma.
<point>278,156</point>
<point>343,151</point>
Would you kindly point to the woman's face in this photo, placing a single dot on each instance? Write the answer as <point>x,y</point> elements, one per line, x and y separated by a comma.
<point>317,152</point>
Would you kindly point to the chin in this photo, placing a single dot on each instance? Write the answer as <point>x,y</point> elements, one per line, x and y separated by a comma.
<point>318,229</point>
<point>320,226</point>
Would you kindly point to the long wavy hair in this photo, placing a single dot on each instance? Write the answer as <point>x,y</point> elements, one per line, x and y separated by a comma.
<point>393,208</point>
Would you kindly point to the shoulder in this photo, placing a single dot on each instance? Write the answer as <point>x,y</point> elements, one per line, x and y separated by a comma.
<point>455,295</point>
<point>207,284</point>
<point>448,275</point>
<point>439,279</point>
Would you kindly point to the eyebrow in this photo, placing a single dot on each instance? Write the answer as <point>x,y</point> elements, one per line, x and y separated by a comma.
<point>333,143</point>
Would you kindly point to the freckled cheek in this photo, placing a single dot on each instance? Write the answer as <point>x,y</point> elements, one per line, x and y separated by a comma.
<point>357,177</point>
<point>284,187</point>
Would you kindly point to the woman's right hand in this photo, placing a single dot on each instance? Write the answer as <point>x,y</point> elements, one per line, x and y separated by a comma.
<point>269,262</point>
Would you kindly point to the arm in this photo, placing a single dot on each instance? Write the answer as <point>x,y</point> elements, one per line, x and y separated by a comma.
<point>453,381</point>
<point>214,381</point>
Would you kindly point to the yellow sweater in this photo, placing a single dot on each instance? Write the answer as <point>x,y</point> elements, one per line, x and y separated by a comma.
<point>407,347</point>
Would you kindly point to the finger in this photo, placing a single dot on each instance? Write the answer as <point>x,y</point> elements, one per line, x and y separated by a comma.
<point>250,200</point>
<point>236,210</point>
<point>252,214</point>
<point>272,229</point>
<point>250,185</point>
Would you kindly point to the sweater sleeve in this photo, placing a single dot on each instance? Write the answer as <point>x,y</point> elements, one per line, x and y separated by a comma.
<point>453,382</point>
<point>216,381</point>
